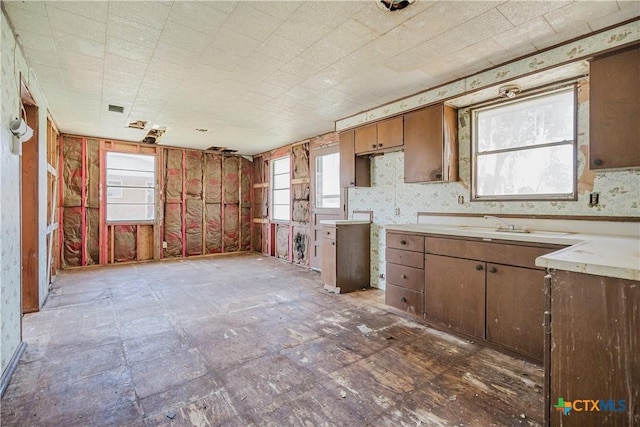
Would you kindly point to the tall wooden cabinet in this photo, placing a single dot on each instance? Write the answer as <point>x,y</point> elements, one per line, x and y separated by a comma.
<point>431,144</point>
<point>614,109</point>
<point>345,255</point>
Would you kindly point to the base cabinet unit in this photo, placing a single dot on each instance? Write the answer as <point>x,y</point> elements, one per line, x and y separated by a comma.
<point>345,256</point>
<point>594,349</point>
<point>455,294</point>
<point>491,291</point>
<point>405,274</point>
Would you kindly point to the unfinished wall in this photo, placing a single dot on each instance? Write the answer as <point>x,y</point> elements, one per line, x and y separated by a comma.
<point>203,198</point>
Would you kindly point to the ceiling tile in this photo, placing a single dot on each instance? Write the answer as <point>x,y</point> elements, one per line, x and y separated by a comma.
<point>74,59</point>
<point>350,36</point>
<point>332,16</point>
<point>523,11</point>
<point>302,67</point>
<point>175,54</point>
<point>251,22</point>
<point>524,33</point>
<point>208,72</point>
<point>48,74</point>
<point>304,31</point>
<point>283,79</point>
<point>151,13</point>
<point>94,10</point>
<point>628,10</point>
<point>381,21</point>
<point>576,13</point>
<point>14,7</point>
<point>42,57</point>
<point>121,28</point>
<point>71,23</point>
<point>184,37</point>
<point>281,48</point>
<point>228,40</point>
<point>129,50</point>
<point>70,42</point>
<point>32,41</point>
<point>279,9</point>
<point>169,68</point>
<point>123,77</point>
<point>198,16</point>
<point>119,63</point>
<point>325,53</point>
<point>26,20</point>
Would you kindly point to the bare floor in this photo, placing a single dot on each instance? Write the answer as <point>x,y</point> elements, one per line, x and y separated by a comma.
<point>247,340</point>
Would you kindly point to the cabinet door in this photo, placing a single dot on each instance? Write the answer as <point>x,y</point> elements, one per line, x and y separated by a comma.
<point>423,145</point>
<point>455,293</point>
<point>614,110</point>
<point>390,133</point>
<point>366,138</point>
<point>515,309</point>
<point>328,272</point>
<point>354,171</point>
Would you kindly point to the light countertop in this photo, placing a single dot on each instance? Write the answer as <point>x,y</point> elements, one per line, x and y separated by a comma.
<point>343,221</point>
<point>598,254</point>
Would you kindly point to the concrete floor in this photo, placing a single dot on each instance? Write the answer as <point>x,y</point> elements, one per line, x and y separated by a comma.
<point>248,340</point>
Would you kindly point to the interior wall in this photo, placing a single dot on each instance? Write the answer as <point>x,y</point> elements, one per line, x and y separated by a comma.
<point>14,65</point>
<point>389,195</point>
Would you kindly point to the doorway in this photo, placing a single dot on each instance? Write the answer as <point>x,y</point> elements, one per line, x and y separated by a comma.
<point>328,200</point>
<point>29,207</point>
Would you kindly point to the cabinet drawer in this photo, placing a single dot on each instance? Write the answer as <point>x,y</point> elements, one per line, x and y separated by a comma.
<point>409,242</point>
<point>408,258</point>
<point>499,253</point>
<point>407,277</point>
<point>409,301</point>
<point>329,233</point>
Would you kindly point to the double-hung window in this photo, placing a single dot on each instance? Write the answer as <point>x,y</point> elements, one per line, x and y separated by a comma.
<point>130,187</point>
<point>525,149</point>
<point>280,189</point>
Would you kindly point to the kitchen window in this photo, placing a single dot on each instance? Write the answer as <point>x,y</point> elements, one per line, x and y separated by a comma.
<point>130,187</point>
<point>525,149</point>
<point>280,193</point>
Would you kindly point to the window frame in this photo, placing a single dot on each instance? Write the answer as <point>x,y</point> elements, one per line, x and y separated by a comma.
<point>120,187</point>
<point>273,190</point>
<point>533,94</point>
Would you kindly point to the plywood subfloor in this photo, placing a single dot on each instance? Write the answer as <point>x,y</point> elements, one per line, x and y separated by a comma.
<point>244,341</point>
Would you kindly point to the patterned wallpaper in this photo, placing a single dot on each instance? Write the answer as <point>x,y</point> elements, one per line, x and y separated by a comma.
<point>12,64</point>
<point>394,202</point>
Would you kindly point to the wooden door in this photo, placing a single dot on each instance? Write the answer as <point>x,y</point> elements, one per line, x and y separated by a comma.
<point>455,293</point>
<point>515,309</point>
<point>423,145</point>
<point>29,214</point>
<point>327,197</point>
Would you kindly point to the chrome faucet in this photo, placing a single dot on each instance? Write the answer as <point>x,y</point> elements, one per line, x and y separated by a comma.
<point>510,227</point>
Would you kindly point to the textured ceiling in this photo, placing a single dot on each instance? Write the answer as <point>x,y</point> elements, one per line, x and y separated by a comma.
<point>261,74</point>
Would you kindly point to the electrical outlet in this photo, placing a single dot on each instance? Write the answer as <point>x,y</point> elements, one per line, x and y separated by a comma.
<point>461,200</point>
<point>397,211</point>
<point>594,199</point>
<point>164,245</point>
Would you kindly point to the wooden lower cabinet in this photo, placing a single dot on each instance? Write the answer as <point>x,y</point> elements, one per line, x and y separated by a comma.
<point>455,294</point>
<point>595,349</point>
<point>406,300</point>
<point>515,309</point>
<point>345,257</point>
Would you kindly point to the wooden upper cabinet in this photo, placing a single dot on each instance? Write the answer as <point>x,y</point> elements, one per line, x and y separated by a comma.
<point>431,144</point>
<point>390,133</point>
<point>354,171</point>
<point>366,138</point>
<point>614,110</point>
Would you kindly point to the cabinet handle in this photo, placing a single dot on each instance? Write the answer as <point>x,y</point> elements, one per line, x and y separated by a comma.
<point>380,145</point>
<point>492,270</point>
<point>598,162</point>
<point>403,299</point>
<point>352,183</point>
<point>333,243</point>
<point>479,267</point>
<point>404,276</point>
<point>328,232</point>
<point>373,145</point>
<point>403,242</point>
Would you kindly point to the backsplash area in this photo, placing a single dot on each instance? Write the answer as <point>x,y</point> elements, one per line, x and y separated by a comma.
<point>394,202</point>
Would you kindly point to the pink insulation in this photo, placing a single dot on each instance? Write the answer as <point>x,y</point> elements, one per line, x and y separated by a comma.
<point>213,216</point>
<point>300,160</point>
<point>72,237</point>
<point>231,228</point>
<point>173,230</point>
<point>125,243</point>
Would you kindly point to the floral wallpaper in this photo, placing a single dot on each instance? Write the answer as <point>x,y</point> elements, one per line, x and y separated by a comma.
<point>394,202</point>
<point>13,64</point>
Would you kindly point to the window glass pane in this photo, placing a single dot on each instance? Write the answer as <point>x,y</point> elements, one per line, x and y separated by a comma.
<point>534,121</point>
<point>535,171</point>
<point>130,195</point>
<point>281,166</point>
<point>138,162</point>
<point>281,197</point>
<point>130,188</point>
<point>281,212</point>
<point>328,181</point>
<point>129,212</point>
<point>280,181</point>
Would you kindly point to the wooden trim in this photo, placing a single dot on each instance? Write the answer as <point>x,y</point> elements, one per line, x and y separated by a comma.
<point>534,216</point>
<point>261,185</point>
<point>11,367</point>
<point>300,180</point>
<point>184,204</point>
<point>260,221</point>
